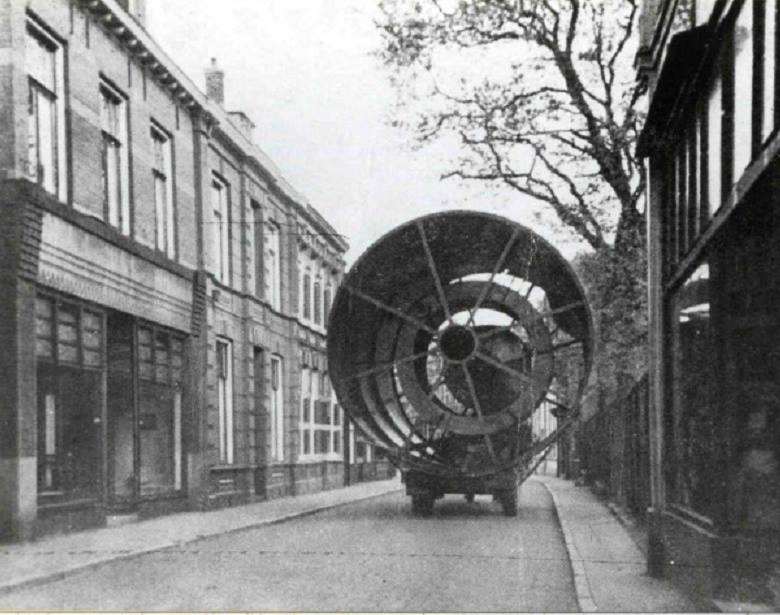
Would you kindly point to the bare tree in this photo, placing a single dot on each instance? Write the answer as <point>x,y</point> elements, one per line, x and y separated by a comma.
<point>543,98</point>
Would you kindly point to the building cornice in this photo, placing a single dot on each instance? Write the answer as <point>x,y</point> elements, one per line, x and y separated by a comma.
<point>215,122</point>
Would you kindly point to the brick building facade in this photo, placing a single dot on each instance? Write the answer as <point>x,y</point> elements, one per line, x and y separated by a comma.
<point>164,290</point>
<point>711,143</point>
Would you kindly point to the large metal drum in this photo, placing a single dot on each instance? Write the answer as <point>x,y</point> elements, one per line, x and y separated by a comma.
<point>449,333</point>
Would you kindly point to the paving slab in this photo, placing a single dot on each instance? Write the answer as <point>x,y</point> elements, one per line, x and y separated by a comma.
<point>610,571</point>
<point>57,556</point>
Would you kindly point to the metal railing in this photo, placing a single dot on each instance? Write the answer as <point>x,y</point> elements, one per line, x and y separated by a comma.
<point>613,447</point>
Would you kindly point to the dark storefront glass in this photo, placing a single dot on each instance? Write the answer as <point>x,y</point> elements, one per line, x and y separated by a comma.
<point>690,449</point>
<point>145,373</point>
<point>120,398</point>
<point>69,350</point>
<point>161,358</point>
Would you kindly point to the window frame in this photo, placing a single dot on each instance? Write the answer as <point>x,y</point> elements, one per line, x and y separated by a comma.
<point>257,246</point>
<point>272,264</point>
<point>225,406</point>
<point>169,239</point>
<point>220,237</point>
<point>276,412</point>
<point>116,215</point>
<point>38,31</point>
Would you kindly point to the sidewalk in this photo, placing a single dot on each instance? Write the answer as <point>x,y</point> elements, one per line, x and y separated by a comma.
<point>54,557</point>
<point>609,568</point>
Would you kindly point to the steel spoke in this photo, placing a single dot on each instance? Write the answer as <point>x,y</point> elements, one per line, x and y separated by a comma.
<point>387,308</point>
<point>531,287</point>
<point>562,309</point>
<point>509,370</point>
<point>497,330</point>
<point>560,345</point>
<point>384,366</point>
<point>499,263</point>
<point>478,408</point>
<point>432,265</point>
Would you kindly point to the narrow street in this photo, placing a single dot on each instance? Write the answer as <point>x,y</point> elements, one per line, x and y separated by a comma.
<point>368,556</point>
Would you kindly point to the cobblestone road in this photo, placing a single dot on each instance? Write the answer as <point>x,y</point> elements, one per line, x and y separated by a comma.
<point>367,556</point>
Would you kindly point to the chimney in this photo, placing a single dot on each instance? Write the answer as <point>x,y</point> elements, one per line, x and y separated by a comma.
<point>215,82</point>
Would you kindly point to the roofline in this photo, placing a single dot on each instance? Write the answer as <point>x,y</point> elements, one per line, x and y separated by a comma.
<point>144,49</point>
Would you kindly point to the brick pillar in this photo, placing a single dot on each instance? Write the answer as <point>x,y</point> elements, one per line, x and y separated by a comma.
<point>197,473</point>
<point>19,246</point>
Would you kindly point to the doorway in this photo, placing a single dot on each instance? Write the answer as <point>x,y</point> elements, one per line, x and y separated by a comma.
<point>144,410</point>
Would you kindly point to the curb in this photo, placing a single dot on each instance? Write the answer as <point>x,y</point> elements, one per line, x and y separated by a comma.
<point>628,523</point>
<point>62,574</point>
<point>585,599</point>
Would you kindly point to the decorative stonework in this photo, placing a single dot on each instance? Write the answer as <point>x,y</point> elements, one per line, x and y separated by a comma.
<point>81,264</point>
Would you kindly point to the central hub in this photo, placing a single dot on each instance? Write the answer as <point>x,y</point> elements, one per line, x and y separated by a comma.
<point>458,343</point>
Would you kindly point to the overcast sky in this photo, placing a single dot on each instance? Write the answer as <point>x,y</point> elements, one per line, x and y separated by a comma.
<point>303,72</point>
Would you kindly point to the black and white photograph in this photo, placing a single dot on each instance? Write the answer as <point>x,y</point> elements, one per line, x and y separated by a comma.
<point>416,306</point>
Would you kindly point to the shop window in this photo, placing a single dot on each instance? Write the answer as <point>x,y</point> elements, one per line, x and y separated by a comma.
<point>277,408</point>
<point>162,176</point>
<point>70,357</point>
<point>225,399</point>
<point>45,115</point>
<point>691,425</point>
<point>161,357</point>
<point>144,400</point>
<point>113,122</point>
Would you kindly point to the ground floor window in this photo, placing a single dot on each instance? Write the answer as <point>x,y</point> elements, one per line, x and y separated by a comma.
<point>320,420</point>
<point>276,400</point>
<point>225,399</point>
<point>70,357</point>
<point>690,421</point>
<point>144,398</point>
<point>722,410</point>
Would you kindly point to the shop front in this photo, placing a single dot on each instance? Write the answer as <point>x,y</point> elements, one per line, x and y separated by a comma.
<point>110,394</point>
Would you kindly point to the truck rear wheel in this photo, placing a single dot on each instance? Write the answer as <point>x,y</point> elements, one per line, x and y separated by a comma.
<point>422,505</point>
<point>508,499</point>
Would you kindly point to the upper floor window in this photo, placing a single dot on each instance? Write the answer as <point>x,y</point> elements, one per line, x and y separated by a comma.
<point>220,228</point>
<point>45,115</point>
<point>327,300</point>
<point>307,295</point>
<point>255,251</point>
<point>162,174</point>
<point>113,123</point>
<point>318,302</point>
<point>770,16</point>
<point>273,266</point>
<point>743,85</point>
